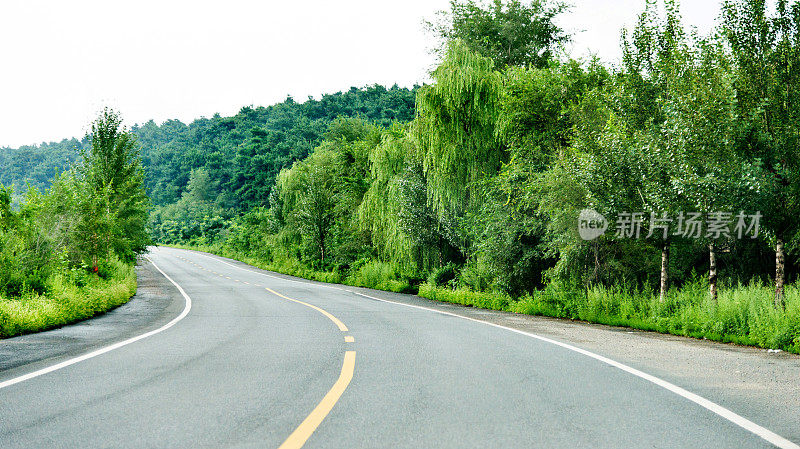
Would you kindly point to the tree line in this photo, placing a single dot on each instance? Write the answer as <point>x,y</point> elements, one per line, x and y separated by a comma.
<point>90,221</point>
<point>478,181</point>
<point>242,152</point>
<point>509,143</point>
<point>234,159</point>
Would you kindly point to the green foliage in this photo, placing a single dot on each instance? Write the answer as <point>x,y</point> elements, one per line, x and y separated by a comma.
<point>67,253</point>
<point>512,33</point>
<point>443,276</point>
<point>466,297</point>
<point>197,216</point>
<point>70,297</point>
<point>242,154</point>
<point>766,51</point>
<point>320,194</point>
<point>380,275</point>
<point>113,203</point>
<point>36,165</point>
<point>455,130</point>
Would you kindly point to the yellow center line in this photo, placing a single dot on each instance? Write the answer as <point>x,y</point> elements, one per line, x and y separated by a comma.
<point>335,320</point>
<point>299,437</point>
<point>304,431</point>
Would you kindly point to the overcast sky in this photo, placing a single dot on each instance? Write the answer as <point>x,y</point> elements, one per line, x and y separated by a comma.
<point>62,61</point>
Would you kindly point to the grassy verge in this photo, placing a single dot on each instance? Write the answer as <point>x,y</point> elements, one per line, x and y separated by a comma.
<point>70,297</point>
<point>743,314</point>
<point>372,274</point>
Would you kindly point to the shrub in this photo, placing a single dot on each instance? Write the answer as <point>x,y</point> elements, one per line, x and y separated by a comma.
<point>443,275</point>
<point>380,275</point>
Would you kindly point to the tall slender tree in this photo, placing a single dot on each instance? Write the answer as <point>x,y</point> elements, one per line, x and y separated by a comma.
<point>766,52</point>
<point>116,212</point>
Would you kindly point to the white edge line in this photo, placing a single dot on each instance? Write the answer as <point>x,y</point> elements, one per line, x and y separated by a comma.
<point>739,420</point>
<point>109,348</point>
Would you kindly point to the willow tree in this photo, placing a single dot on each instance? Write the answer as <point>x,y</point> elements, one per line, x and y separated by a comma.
<point>308,195</point>
<point>455,130</point>
<point>379,210</point>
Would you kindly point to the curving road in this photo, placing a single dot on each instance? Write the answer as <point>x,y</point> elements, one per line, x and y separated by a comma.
<point>249,359</point>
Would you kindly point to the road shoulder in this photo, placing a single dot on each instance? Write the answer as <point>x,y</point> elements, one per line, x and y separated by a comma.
<point>155,303</point>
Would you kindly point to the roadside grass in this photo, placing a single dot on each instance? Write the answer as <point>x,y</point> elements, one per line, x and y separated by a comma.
<point>743,314</point>
<point>380,276</point>
<point>371,274</point>
<point>465,297</point>
<point>70,297</point>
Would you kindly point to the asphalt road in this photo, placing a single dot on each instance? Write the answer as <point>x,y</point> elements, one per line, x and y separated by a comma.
<point>260,361</point>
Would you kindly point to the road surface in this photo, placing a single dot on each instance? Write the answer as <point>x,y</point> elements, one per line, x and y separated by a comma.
<point>243,358</point>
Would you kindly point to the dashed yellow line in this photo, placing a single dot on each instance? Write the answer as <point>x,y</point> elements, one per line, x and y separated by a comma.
<point>335,320</point>
<point>304,431</point>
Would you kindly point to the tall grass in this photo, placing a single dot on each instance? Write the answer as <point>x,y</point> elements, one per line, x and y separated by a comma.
<point>742,314</point>
<point>465,297</point>
<point>69,298</point>
<point>379,275</point>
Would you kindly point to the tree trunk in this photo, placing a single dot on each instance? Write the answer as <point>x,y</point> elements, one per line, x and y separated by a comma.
<point>664,271</point>
<point>712,272</point>
<point>780,265</point>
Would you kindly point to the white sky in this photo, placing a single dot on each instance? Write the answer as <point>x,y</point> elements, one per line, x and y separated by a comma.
<point>62,61</point>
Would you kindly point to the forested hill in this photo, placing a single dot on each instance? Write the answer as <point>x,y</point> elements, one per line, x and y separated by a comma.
<point>36,164</point>
<point>241,154</point>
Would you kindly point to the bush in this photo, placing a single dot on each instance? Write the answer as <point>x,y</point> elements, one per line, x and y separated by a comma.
<point>443,275</point>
